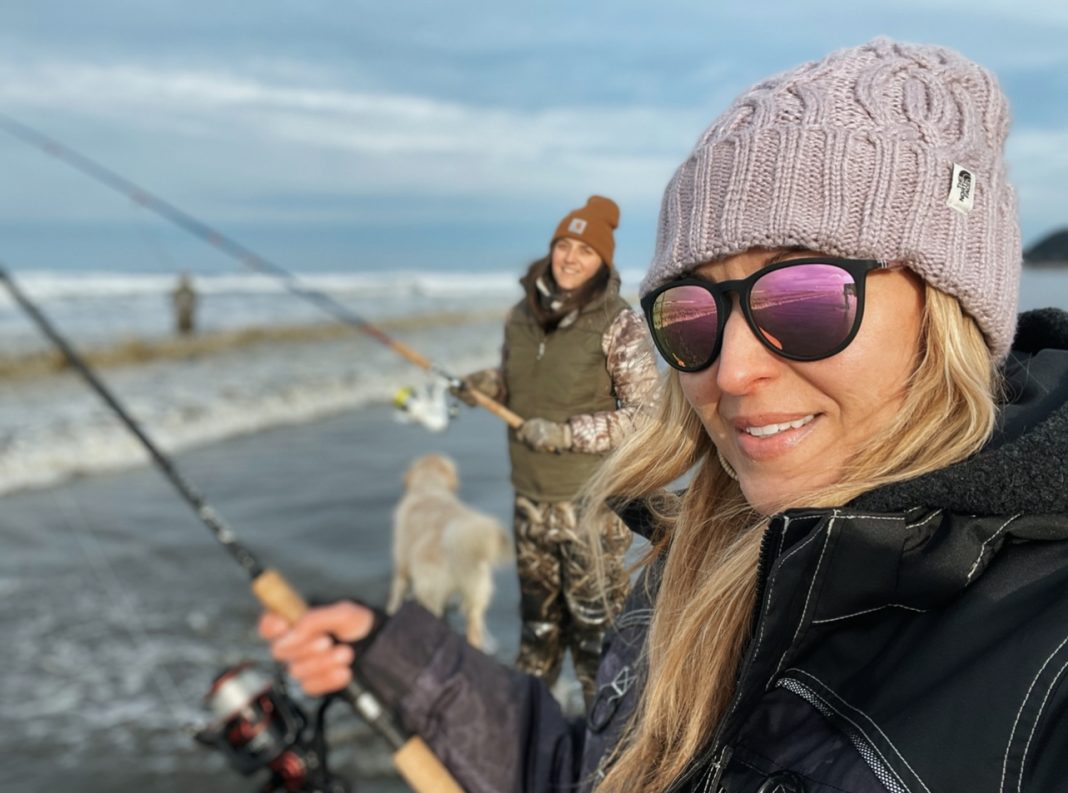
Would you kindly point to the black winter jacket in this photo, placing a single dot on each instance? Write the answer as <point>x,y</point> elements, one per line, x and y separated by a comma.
<point>915,641</point>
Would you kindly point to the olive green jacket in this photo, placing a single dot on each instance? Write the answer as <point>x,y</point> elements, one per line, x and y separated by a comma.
<point>594,371</point>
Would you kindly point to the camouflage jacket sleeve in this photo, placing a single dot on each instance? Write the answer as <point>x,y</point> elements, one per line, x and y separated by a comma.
<point>628,353</point>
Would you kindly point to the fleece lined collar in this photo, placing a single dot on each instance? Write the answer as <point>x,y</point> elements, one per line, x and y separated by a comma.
<point>1024,467</point>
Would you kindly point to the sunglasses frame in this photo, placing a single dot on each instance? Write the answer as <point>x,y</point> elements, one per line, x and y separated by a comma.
<point>743,287</point>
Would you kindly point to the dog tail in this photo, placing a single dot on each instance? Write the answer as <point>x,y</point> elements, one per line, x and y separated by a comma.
<point>505,551</point>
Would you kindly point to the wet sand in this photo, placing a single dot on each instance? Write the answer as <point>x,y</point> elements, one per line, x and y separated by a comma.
<point>120,607</point>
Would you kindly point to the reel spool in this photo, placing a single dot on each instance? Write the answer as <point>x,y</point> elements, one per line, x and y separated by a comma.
<point>256,725</point>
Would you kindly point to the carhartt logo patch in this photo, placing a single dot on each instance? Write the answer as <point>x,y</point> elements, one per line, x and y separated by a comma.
<point>961,190</point>
<point>577,226</point>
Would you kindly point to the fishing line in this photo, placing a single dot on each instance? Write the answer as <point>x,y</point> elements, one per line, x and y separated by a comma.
<point>411,756</point>
<point>244,255</point>
<point>119,594</point>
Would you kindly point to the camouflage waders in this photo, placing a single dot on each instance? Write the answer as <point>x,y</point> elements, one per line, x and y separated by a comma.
<point>560,600</point>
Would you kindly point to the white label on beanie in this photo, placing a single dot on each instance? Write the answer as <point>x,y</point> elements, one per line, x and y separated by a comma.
<point>962,190</point>
<point>577,226</point>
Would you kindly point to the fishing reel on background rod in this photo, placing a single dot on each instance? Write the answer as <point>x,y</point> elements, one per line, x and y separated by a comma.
<point>257,726</point>
<point>427,405</point>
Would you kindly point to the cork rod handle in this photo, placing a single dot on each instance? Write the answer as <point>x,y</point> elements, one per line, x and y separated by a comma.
<point>414,761</point>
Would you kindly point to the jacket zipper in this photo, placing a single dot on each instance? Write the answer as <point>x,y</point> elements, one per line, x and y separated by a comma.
<point>864,747</point>
<point>717,754</point>
<point>718,767</point>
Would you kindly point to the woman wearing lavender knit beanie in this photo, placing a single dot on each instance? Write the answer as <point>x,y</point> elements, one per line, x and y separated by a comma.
<point>864,587</point>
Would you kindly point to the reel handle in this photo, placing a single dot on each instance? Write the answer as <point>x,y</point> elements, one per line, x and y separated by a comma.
<point>412,758</point>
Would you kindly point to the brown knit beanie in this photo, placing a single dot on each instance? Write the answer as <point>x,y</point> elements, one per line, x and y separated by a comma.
<point>593,224</point>
<point>885,151</point>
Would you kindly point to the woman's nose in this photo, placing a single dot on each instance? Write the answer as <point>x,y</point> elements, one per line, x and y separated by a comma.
<point>743,362</point>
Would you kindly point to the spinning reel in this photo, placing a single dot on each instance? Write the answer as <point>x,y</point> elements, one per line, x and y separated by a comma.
<point>427,405</point>
<point>257,725</point>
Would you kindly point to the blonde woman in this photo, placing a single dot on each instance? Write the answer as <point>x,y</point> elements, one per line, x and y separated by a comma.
<point>864,588</point>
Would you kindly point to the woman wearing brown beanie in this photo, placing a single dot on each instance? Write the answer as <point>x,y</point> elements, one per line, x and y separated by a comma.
<point>864,586</point>
<point>578,364</point>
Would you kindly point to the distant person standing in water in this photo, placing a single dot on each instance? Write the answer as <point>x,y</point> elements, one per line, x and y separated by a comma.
<point>577,363</point>
<point>184,299</point>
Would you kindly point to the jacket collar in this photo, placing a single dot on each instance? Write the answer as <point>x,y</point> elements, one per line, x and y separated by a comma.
<point>1024,467</point>
<point>923,540</point>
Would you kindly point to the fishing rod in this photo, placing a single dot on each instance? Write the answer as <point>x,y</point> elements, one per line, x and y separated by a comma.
<point>245,256</point>
<point>412,758</point>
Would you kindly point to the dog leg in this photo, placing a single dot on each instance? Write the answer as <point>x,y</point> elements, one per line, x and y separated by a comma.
<point>431,589</point>
<point>397,591</point>
<point>475,601</point>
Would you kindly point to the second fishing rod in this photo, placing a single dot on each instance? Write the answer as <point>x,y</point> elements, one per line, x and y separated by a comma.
<point>412,758</point>
<point>245,257</point>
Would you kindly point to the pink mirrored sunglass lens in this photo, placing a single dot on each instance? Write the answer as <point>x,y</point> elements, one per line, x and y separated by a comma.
<point>807,310</point>
<point>686,322</point>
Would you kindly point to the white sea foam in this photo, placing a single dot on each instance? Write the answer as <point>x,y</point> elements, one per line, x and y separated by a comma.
<point>53,428</point>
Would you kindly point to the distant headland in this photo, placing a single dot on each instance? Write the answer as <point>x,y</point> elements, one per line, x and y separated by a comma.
<point>1049,252</point>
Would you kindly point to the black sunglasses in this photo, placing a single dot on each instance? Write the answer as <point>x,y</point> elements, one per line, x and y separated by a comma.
<point>802,309</point>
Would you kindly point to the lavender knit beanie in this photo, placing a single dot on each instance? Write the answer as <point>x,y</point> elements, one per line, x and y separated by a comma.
<point>885,151</point>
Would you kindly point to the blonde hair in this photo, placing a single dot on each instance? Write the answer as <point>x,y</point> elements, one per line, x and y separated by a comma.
<point>711,537</point>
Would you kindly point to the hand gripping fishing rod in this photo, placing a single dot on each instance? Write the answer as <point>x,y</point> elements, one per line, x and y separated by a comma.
<point>245,256</point>
<point>413,759</point>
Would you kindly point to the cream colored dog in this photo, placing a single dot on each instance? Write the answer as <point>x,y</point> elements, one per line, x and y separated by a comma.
<point>443,547</point>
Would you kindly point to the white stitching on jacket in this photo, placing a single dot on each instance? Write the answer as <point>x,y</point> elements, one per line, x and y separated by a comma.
<point>1019,713</point>
<point>811,586</point>
<point>925,521</point>
<point>987,541</point>
<point>869,611</point>
<point>895,782</point>
<point>870,720</point>
<point>854,515</point>
<point>767,607</point>
<point>1034,725</point>
<point>794,550</point>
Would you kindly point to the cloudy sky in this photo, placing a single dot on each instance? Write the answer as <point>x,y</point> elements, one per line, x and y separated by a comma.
<point>431,133</point>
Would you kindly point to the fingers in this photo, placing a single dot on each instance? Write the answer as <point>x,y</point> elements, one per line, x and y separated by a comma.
<point>325,672</point>
<point>271,625</point>
<point>346,620</point>
<point>464,395</point>
<point>309,647</point>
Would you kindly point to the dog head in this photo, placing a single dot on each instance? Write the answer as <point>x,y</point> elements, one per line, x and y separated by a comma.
<point>432,468</point>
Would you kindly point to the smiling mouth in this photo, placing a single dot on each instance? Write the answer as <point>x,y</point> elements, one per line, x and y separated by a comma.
<point>768,430</point>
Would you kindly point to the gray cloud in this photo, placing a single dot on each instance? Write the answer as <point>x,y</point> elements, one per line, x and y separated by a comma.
<point>429,113</point>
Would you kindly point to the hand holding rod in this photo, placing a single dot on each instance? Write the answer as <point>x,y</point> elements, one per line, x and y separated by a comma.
<point>411,756</point>
<point>413,759</point>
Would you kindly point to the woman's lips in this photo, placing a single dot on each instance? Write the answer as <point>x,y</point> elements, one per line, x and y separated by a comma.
<point>764,438</point>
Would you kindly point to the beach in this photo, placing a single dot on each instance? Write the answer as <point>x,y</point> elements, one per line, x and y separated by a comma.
<point>121,608</point>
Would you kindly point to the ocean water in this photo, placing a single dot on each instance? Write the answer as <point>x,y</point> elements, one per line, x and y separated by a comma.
<point>262,358</point>
<point>120,608</point>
